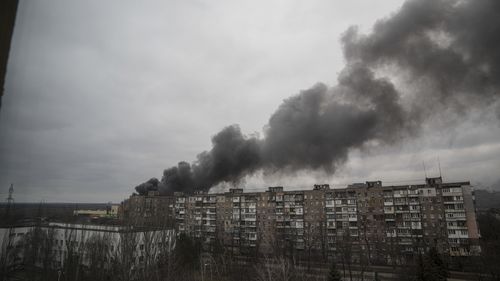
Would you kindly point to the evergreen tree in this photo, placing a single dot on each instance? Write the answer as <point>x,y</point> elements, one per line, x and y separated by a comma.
<point>421,268</point>
<point>334,274</point>
<point>187,251</point>
<point>431,267</point>
<point>436,268</point>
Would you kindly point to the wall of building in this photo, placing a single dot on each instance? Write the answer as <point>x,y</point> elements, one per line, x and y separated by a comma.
<point>64,239</point>
<point>382,222</point>
<point>362,221</point>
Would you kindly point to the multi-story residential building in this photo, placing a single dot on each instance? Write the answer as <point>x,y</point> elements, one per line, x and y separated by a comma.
<point>149,210</point>
<point>363,220</point>
<point>180,212</point>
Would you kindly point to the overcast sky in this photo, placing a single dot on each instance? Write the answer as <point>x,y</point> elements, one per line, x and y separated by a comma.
<point>103,95</point>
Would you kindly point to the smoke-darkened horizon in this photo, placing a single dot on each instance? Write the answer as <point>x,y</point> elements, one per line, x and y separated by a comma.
<point>444,52</point>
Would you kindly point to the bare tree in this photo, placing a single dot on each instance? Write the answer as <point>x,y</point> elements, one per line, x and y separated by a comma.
<point>166,260</point>
<point>10,254</point>
<point>123,260</point>
<point>97,255</point>
<point>276,269</point>
<point>73,256</point>
<point>345,249</point>
<point>71,259</point>
<point>38,252</point>
<point>47,253</point>
<point>313,240</point>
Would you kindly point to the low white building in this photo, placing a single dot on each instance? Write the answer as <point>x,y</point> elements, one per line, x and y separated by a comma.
<point>84,240</point>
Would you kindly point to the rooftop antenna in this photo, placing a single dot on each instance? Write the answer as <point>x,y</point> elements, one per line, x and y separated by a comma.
<point>425,171</point>
<point>439,165</point>
<point>10,199</point>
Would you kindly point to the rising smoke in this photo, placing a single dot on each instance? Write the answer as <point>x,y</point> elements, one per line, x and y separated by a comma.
<point>445,52</point>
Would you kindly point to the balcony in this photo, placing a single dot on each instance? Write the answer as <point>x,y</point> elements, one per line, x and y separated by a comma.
<point>459,193</point>
<point>458,235</point>
<point>388,211</point>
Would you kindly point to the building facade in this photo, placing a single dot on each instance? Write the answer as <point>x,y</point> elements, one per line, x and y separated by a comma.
<point>111,211</point>
<point>56,243</point>
<point>148,210</point>
<point>362,221</point>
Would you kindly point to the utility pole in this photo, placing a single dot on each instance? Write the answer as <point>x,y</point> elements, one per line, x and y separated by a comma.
<point>10,201</point>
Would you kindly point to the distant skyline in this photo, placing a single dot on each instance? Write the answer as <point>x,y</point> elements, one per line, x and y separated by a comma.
<point>101,96</point>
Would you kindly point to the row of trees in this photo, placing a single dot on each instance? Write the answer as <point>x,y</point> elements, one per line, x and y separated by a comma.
<point>147,254</point>
<point>283,265</point>
<point>63,252</point>
<point>140,254</point>
<point>488,263</point>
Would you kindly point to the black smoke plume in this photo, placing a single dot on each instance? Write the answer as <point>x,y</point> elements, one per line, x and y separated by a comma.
<point>151,185</point>
<point>446,53</point>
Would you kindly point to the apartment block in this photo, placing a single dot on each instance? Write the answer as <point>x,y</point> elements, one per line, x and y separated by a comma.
<point>149,210</point>
<point>363,220</point>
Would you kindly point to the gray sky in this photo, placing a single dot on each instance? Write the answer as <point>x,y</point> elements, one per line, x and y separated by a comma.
<point>103,95</point>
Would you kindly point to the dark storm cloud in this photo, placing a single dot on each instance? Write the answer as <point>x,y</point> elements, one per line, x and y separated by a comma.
<point>101,94</point>
<point>447,49</point>
<point>66,127</point>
